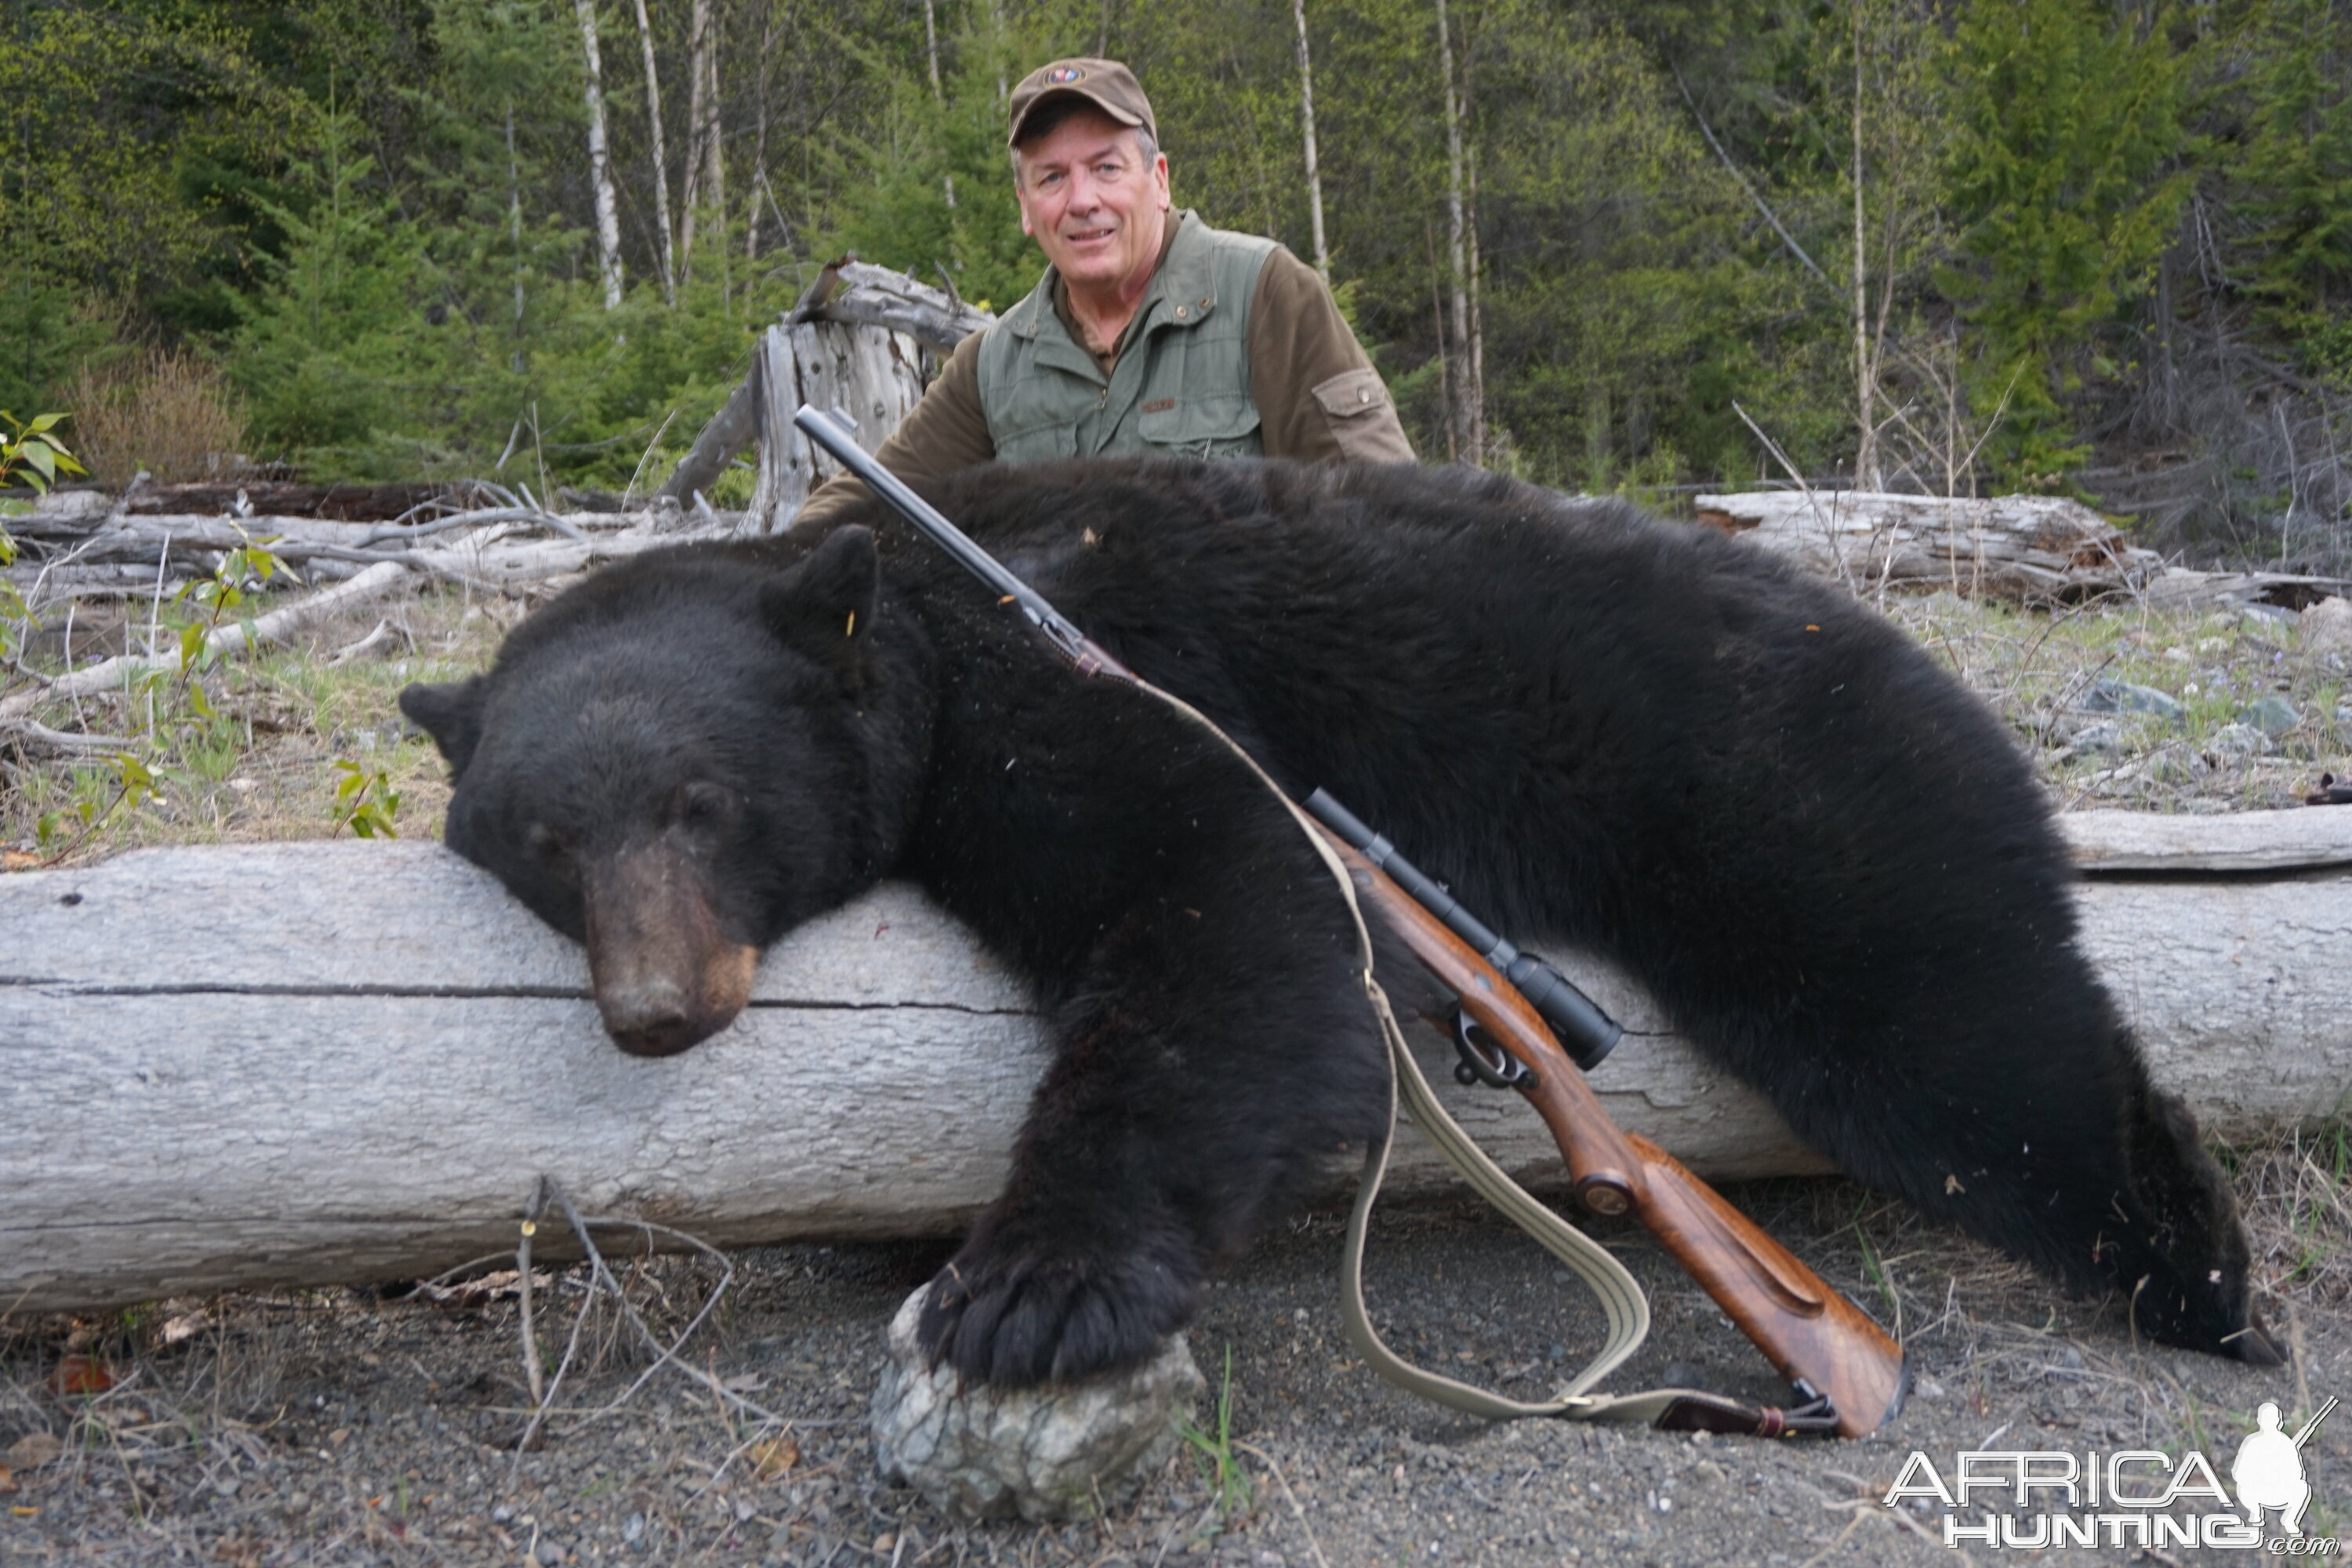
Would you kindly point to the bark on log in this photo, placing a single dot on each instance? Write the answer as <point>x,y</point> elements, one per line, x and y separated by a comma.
<point>311,1063</point>
<point>2037,550</point>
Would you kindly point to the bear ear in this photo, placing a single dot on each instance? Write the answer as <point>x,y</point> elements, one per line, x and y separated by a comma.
<point>451,714</point>
<point>824,606</point>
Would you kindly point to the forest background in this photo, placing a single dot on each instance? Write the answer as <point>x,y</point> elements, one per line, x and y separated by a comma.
<point>1650,246</point>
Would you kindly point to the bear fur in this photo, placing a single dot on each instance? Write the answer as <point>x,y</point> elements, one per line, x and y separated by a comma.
<point>1823,857</point>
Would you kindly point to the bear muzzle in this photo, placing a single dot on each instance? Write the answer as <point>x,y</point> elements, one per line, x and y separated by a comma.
<point>666,975</point>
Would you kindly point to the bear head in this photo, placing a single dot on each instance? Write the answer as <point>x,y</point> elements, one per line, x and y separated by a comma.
<point>675,763</point>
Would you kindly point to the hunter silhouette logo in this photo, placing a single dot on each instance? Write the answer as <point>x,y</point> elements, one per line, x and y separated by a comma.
<point>2268,1471</point>
<point>2130,1496</point>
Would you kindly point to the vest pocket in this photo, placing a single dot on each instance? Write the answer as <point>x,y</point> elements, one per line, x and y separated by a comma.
<point>1206,426</point>
<point>1041,442</point>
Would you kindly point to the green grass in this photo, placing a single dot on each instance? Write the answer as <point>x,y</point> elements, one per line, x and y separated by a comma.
<point>1220,1467</point>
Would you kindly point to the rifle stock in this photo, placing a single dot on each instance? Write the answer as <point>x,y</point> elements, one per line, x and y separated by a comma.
<point>1815,1337</point>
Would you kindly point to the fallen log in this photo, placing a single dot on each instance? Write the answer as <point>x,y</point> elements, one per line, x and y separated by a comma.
<point>2036,550</point>
<point>486,558</point>
<point>324,1062</point>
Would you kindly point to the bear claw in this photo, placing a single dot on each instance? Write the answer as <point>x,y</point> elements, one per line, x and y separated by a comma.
<point>1034,1319</point>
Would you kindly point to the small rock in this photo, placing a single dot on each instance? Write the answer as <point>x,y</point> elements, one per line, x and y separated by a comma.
<point>1049,1453</point>
<point>634,1528</point>
<point>2327,626</point>
<point>2096,735</point>
<point>2112,696</point>
<point>2238,740</point>
<point>2273,715</point>
<point>502,1514</point>
<point>550,1553</point>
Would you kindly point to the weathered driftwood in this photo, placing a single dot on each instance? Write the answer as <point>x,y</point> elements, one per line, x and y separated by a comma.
<point>321,1062</point>
<point>855,340</point>
<point>2034,549</point>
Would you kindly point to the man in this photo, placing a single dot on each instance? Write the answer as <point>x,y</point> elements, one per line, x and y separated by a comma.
<point>1150,331</point>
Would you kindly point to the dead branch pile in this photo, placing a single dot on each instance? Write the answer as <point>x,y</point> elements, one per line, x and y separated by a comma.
<point>70,551</point>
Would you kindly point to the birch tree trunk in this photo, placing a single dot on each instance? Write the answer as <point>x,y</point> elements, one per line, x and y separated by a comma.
<point>1307,124</point>
<point>1469,412</point>
<point>714,130</point>
<point>1865,371</point>
<point>1477,304</point>
<point>514,226</point>
<point>600,160</point>
<point>661,158</point>
<point>759,180</point>
<point>697,129</point>
<point>938,95</point>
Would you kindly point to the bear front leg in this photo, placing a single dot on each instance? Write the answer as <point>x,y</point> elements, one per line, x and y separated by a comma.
<point>1200,1081</point>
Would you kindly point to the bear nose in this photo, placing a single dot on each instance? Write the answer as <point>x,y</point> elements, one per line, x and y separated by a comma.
<point>665,974</point>
<point>652,1017</point>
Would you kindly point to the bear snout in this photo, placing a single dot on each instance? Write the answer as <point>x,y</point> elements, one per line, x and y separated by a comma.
<point>667,976</point>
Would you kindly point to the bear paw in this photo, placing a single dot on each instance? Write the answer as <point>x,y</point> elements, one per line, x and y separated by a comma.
<point>1012,1317</point>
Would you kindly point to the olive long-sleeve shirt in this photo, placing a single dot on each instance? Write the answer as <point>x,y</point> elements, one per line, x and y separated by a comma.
<point>1317,396</point>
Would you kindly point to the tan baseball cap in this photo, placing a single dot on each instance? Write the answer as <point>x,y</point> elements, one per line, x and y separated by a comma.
<point>1107,84</point>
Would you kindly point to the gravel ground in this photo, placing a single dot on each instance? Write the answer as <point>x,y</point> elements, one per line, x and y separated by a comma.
<point>369,1428</point>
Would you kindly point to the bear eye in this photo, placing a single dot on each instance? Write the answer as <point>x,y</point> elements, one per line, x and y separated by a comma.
<point>704,806</point>
<point>545,845</point>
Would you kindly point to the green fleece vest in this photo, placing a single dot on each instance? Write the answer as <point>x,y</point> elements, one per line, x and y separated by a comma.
<point>1182,384</point>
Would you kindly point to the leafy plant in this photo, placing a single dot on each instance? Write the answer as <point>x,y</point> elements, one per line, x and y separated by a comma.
<point>30,453</point>
<point>171,700</point>
<point>365,802</point>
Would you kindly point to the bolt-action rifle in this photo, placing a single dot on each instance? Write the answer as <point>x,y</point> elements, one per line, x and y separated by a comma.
<point>1830,1352</point>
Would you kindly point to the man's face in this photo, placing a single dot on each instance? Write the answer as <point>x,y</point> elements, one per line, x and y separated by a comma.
<point>1090,201</point>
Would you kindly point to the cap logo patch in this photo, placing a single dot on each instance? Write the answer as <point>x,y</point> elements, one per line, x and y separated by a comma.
<point>1062,76</point>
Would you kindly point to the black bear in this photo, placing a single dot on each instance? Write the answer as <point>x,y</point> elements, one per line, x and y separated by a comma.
<point>1819,853</point>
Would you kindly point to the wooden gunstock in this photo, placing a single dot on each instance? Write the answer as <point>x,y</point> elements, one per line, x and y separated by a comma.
<point>1808,1331</point>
